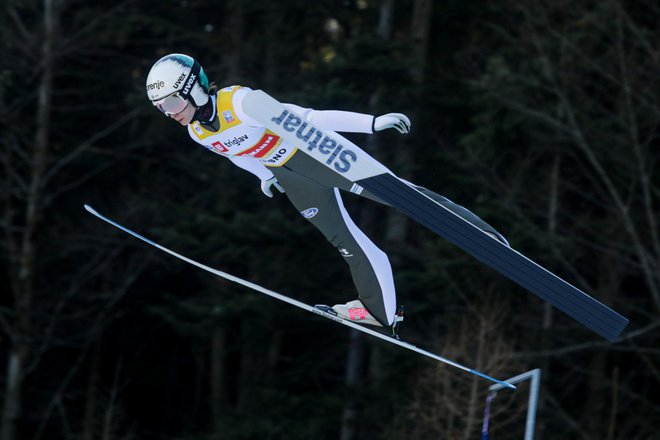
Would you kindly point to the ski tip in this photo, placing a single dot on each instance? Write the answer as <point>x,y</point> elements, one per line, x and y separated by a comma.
<point>508,385</point>
<point>90,209</point>
<point>492,379</point>
<point>504,384</point>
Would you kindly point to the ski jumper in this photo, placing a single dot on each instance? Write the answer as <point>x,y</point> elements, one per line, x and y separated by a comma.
<point>313,188</point>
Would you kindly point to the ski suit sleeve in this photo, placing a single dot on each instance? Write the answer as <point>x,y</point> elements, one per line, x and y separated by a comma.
<point>336,120</point>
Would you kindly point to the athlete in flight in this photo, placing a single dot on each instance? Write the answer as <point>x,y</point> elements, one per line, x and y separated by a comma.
<point>179,88</point>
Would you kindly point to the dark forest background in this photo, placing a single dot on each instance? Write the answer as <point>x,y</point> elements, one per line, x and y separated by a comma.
<point>541,116</point>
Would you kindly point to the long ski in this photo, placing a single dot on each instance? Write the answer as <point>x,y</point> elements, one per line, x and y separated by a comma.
<point>299,304</point>
<point>348,160</point>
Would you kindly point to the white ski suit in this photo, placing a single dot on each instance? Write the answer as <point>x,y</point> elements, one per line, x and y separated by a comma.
<point>312,187</point>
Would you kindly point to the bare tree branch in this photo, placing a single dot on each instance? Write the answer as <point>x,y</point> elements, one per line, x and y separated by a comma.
<point>594,345</point>
<point>87,143</point>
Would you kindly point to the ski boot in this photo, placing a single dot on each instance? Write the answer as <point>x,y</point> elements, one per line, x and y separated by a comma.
<point>351,311</point>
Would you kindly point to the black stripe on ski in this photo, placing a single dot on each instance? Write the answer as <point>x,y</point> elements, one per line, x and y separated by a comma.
<point>548,286</point>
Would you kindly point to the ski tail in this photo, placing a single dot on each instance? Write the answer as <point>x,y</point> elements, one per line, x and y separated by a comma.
<point>546,285</point>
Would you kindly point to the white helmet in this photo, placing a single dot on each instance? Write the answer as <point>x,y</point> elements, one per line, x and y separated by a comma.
<point>180,75</point>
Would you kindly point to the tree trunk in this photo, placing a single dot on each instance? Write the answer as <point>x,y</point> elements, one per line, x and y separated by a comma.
<point>397,224</point>
<point>273,59</point>
<point>250,368</point>
<point>472,400</point>
<point>24,273</point>
<point>420,26</point>
<point>89,423</point>
<point>237,36</point>
<point>218,346</point>
<point>354,369</point>
<point>357,350</point>
<point>13,395</point>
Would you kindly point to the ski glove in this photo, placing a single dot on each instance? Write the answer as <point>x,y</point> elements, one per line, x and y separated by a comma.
<point>398,121</point>
<point>267,184</point>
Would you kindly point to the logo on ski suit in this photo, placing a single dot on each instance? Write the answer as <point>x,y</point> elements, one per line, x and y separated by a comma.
<point>309,213</point>
<point>339,157</point>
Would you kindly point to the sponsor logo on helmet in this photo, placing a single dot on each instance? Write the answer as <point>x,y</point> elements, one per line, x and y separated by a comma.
<point>156,85</point>
<point>339,157</point>
<point>179,80</point>
<point>189,84</point>
<point>309,213</point>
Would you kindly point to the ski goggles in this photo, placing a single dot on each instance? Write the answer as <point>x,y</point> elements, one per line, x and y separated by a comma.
<point>171,105</point>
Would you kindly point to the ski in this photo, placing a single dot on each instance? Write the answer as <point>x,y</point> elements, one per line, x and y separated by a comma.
<point>348,160</point>
<point>299,304</point>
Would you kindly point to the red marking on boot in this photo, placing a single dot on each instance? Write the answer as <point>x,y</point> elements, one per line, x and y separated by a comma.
<point>358,313</point>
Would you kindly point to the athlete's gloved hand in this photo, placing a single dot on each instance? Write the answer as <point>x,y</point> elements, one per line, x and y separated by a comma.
<point>398,121</point>
<point>267,184</point>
